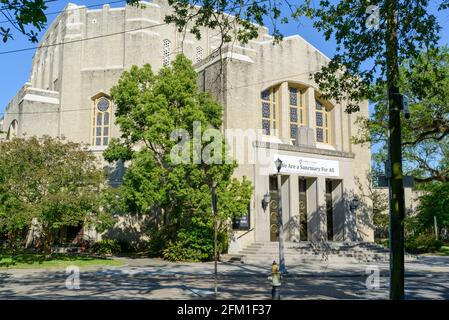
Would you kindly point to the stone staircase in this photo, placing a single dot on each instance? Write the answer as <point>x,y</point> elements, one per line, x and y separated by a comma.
<point>261,253</point>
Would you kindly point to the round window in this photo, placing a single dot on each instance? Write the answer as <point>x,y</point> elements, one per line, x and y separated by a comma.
<point>103,104</point>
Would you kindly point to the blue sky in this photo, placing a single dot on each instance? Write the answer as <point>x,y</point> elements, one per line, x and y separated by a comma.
<point>15,67</point>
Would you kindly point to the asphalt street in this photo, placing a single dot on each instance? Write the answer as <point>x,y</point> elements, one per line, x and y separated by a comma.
<point>157,279</point>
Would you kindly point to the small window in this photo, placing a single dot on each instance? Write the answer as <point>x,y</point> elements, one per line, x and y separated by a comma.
<point>199,54</point>
<point>12,130</point>
<point>166,52</point>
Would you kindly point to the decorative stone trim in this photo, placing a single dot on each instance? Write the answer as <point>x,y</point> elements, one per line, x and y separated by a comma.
<point>303,149</point>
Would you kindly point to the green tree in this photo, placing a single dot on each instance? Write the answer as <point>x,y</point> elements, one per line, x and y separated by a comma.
<point>425,80</point>
<point>434,203</point>
<point>156,114</point>
<point>55,181</point>
<point>23,16</point>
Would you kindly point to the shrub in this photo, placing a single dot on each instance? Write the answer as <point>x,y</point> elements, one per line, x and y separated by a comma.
<point>131,246</point>
<point>422,243</point>
<point>108,246</point>
<point>196,244</point>
<point>191,245</point>
<point>159,237</point>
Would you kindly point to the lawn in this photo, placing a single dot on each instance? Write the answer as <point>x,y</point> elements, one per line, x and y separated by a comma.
<point>32,260</point>
<point>444,251</point>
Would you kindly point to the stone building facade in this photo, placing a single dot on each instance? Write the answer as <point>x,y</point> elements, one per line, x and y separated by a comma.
<point>263,87</point>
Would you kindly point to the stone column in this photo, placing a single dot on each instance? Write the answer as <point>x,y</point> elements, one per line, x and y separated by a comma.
<point>346,133</point>
<point>336,126</point>
<point>317,209</point>
<point>310,105</point>
<point>282,119</point>
<point>339,213</point>
<point>261,217</point>
<point>293,222</point>
<point>321,195</point>
<point>285,193</point>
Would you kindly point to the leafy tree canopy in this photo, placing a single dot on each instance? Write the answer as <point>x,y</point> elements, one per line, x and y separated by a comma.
<point>153,112</point>
<point>434,203</point>
<point>55,181</point>
<point>425,80</point>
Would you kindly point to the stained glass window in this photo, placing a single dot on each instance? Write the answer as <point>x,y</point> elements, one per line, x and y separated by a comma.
<point>265,95</point>
<point>319,134</point>
<point>103,104</point>
<point>296,109</point>
<point>293,96</point>
<point>323,121</point>
<point>265,109</point>
<point>319,119</point>
<point>102,113</point>
<point>293,131</point>
<point>293,115</point>
<point>266,126</point>
<point>268,98</point>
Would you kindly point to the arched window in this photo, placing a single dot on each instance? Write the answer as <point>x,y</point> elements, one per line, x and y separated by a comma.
<point>12,130</point>
<point>297,111</point>
<point>101,121</point>
<point>166,52</point>
<point>322,123</point>
<point>269,110</point>
<point>199,54</point>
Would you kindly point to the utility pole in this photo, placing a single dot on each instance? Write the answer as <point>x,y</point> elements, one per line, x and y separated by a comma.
<point>397,205</point>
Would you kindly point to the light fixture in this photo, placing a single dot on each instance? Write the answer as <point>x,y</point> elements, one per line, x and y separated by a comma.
<point>278,164</point>
<point>266,201</point>
<point>354,203</point>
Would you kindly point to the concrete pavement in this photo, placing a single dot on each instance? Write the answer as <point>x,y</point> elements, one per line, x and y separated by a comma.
<point>427,278</point>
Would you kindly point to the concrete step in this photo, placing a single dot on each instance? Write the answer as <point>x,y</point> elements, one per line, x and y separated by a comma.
<point>303,252</point>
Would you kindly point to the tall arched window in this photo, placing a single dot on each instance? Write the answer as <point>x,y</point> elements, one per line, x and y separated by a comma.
<point>166,52</point>
<point>199,54</point>
<point>269,110</point>
<point>297,111</point>
<point>322,123</point>
<point>101,121</point>
<point>12,130</point>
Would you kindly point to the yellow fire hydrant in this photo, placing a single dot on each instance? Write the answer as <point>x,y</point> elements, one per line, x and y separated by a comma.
<point>275,279</point>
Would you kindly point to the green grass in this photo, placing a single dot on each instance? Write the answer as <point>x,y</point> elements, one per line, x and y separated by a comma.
<point>444,251</point>
<point>33,261</point>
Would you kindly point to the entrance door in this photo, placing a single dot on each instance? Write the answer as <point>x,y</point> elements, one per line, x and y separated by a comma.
<point>329,211</point>
<point>303,210</point>
<point>274,229</point>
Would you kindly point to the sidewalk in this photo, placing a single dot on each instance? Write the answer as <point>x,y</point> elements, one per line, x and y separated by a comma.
<point>426,266</point>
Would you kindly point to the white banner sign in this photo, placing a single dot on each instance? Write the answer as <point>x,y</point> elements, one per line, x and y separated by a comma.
<point>309,166</point>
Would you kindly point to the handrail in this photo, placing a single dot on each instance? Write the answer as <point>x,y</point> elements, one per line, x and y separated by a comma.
<point>245,233</point>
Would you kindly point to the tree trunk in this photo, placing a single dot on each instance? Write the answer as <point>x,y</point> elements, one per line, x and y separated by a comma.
<point>30,235</point>
<point>48,242</point>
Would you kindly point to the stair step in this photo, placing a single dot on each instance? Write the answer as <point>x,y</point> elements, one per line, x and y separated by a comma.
<point>300,252</point>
